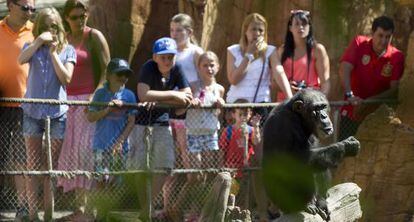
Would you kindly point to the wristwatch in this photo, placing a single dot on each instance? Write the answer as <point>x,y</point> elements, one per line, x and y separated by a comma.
<point>249,56</point>
<point>349,94</point>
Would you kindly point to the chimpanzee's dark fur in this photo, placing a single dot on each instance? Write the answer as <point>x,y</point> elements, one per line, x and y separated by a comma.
<point>292,129</point>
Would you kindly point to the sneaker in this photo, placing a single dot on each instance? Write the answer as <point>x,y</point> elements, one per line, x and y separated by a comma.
<point>273,215</point>
<point>22,214</point>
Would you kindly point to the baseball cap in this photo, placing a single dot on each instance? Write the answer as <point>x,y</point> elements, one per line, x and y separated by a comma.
<point>117,65</point>
<point>164,46</point>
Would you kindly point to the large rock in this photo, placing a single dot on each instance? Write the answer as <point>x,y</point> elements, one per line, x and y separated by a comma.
<point>406,92</point>
<point>383,168</point>
<point>343,202</point>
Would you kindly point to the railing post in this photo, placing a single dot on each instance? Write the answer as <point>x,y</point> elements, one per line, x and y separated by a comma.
<point>148,147</point>
<point>49,203</point>
<point>246,179</point>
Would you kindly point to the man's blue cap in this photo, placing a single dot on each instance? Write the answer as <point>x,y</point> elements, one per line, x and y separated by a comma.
<point>118,65</point>
<point>164,46</point>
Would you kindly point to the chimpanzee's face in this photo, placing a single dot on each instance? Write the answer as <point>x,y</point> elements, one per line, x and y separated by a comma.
<point>320,117</point>
<point>313,106</point>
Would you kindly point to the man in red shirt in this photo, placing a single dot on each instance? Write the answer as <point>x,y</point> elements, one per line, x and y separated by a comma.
<point>370,69</point>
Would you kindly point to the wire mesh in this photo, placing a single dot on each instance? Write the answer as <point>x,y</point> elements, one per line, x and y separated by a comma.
<point>104,159</point>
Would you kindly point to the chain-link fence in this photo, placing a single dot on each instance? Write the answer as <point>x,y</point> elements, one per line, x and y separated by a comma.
<point>101,162</point>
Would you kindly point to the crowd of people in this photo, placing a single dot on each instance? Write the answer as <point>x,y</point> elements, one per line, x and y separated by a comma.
<point>60,57</point>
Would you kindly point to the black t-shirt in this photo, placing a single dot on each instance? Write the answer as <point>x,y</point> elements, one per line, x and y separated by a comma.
<point>150,75</point>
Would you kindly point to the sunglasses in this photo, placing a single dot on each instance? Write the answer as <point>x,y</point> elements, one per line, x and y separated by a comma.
<point>50,27</point>
<point>297,11</point>
<point>122,75</point>
<point>76,17</point>
<point>26,8</point>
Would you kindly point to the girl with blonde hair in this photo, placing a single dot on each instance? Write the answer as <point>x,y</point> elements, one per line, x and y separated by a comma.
<point>51,62</point>
<point>202,132</point>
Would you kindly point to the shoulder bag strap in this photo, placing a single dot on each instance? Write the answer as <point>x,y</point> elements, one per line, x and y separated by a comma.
<point>260,79</point>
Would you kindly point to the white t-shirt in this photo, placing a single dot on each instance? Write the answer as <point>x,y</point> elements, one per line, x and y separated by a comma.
<point>185,59</point>
<point>246,88</point>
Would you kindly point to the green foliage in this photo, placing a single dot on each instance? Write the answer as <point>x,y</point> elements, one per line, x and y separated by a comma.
<point>289,183</point>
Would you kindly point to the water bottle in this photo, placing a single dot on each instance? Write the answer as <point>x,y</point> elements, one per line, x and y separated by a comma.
<point>106,175</point>
<point>245,130</point>
<point>98,162</point>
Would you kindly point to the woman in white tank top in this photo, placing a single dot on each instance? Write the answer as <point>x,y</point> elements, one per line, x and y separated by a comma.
<point>246,71</point>
<point>250,65</point>
<point>182,32</point>
<point>186,58</point>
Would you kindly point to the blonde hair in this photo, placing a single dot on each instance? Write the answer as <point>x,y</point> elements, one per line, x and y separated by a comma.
<point>254,17</point>
<point>39,24</point>
<point>209,55</point>
<point>187,23</point>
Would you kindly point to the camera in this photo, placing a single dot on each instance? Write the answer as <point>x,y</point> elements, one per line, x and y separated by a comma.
<point>301,84</point>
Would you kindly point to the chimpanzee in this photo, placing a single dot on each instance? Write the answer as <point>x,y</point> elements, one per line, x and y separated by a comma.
<point>293,160</point>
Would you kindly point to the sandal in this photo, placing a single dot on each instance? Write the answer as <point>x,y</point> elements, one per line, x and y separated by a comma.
<point>160,215</point>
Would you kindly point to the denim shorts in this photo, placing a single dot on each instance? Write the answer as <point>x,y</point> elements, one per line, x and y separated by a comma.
<point>198,143</point>
<point>36,127</point>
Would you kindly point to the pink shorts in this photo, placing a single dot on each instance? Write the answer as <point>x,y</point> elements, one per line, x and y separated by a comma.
<point>177,123</point>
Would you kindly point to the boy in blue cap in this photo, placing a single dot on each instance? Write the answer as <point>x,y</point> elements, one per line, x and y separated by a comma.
<point>157,81</point>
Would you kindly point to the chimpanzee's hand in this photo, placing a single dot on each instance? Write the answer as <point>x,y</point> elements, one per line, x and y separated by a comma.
<point>322,207</point>
<point>351,146</point>
<point>318,206</point>
<point>311,207</point>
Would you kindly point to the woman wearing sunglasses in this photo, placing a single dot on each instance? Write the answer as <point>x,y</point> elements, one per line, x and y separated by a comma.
<point>305,61</point>
<point>89,73</point>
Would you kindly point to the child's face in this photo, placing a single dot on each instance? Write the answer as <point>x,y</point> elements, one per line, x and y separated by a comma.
<point>179,33</point>
<point>117,79</point>
<point>241,115</point>
<point>50,25</point>
<point>165,62</point>
<point>208,67</point>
